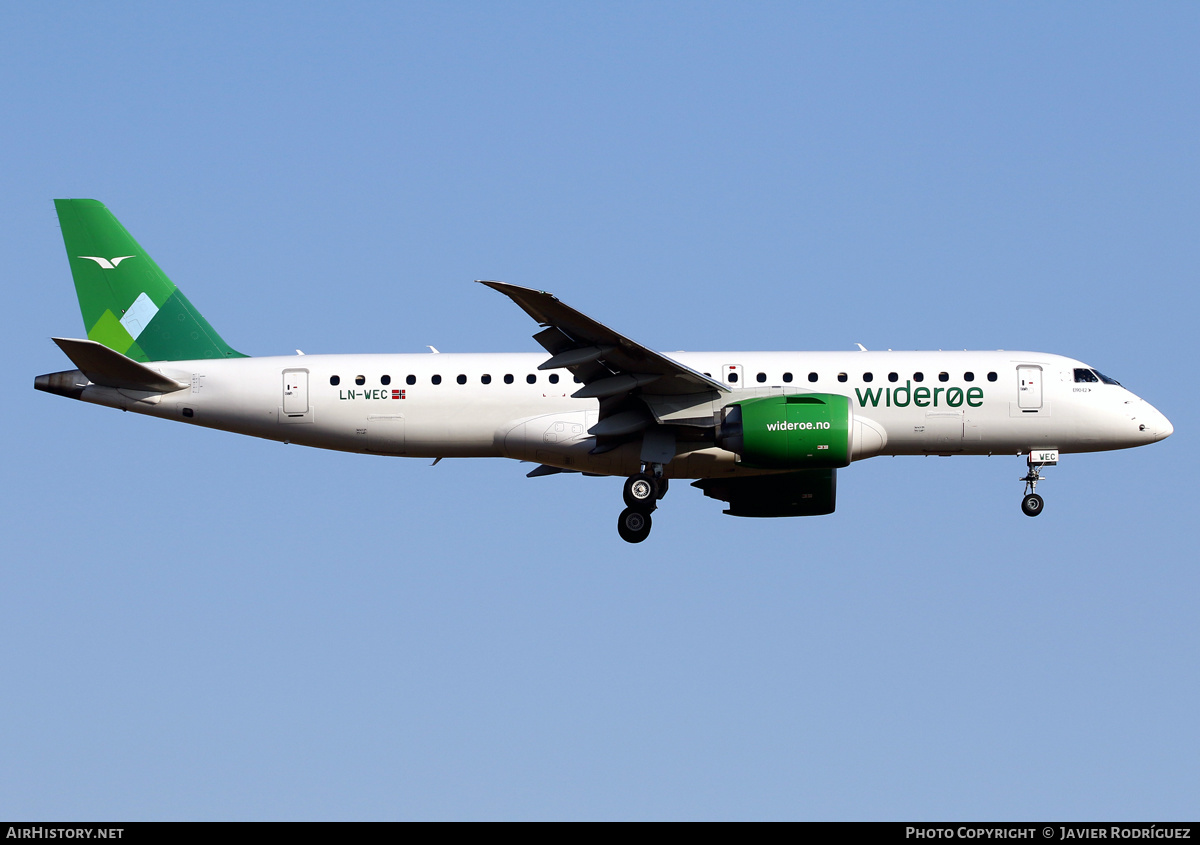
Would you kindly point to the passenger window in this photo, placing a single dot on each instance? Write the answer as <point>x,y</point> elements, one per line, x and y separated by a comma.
<point>485,379</point>
<point>968,376</point>
<point>1082,375</point>
<point>761,377</point>
<point>842,377</point>
<point>554,378</point>
<point>508,379</point>
<point>385,379</point>
<point>918,377</point>
<point>733,377</point>
<point>436,379</point>
<point>812,376</point>
<point>868,377</point>
<point>335,380</point>
<point>360,379</point>
<point>531,378</point>
<point>787,378</point>
<point>462,379</point>
<point>943,377</point>
<point>578,380</point>
<point>991,376</point>
<point>410,379</point>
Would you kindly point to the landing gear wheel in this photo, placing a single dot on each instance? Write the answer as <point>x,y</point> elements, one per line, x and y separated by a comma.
<point>1032,504</point>
<point>633,525</point>
<point>641,492</point>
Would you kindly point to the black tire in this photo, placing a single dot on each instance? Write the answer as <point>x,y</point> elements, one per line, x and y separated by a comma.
<point>1032,504</point>
<point>641,492</point>
<point>633,525</point>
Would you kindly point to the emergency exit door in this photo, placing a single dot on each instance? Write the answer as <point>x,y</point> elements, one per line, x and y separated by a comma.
<point>295,392</point>
<point>1029,387</point>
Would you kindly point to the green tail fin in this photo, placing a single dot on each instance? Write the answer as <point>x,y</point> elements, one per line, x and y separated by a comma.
<point>128,304</point>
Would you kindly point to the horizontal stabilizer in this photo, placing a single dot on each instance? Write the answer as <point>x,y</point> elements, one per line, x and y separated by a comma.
<point>112,369</point>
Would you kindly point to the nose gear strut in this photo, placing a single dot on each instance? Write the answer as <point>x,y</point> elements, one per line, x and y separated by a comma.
<point>1032,504</point>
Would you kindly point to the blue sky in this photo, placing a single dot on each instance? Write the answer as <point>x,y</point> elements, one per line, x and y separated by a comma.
<point>202,626</point>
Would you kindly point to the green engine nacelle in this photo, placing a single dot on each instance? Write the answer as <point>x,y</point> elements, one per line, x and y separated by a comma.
<point>805,431</point>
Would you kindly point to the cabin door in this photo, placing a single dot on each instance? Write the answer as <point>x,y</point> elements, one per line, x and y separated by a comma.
<point>1029,387</point>
<point>295,392</point>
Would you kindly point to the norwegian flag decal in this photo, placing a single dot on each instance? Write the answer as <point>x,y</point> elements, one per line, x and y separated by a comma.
<point>397,394</point>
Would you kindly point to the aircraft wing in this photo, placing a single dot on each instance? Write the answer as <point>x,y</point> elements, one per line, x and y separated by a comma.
<point>608,363</point>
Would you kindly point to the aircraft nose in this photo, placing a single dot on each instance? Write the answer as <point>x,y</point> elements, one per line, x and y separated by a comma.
<point>1163,429</point>
<point>1157,422</point>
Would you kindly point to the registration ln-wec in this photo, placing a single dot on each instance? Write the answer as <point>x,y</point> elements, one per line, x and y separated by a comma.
<point>765,432</point>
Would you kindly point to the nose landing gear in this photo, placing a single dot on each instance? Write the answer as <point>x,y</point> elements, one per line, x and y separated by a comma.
<point>1032,504</point>
<point>641,493</point>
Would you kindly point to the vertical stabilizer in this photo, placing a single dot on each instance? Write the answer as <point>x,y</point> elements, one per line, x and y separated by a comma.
<point>128,303</point>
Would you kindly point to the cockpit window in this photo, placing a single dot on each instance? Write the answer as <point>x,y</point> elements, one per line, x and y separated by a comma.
<point>1106,379</point>
<point>1084,375</point>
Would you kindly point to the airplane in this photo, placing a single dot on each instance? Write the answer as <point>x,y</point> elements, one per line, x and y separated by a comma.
<point>764,432</point>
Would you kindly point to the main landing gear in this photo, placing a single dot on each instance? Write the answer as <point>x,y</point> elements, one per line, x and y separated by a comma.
<point>1032,504</point>
<point>642,492</point>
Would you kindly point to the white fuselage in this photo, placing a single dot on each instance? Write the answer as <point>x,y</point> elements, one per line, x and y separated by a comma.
<point>911,403</point>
